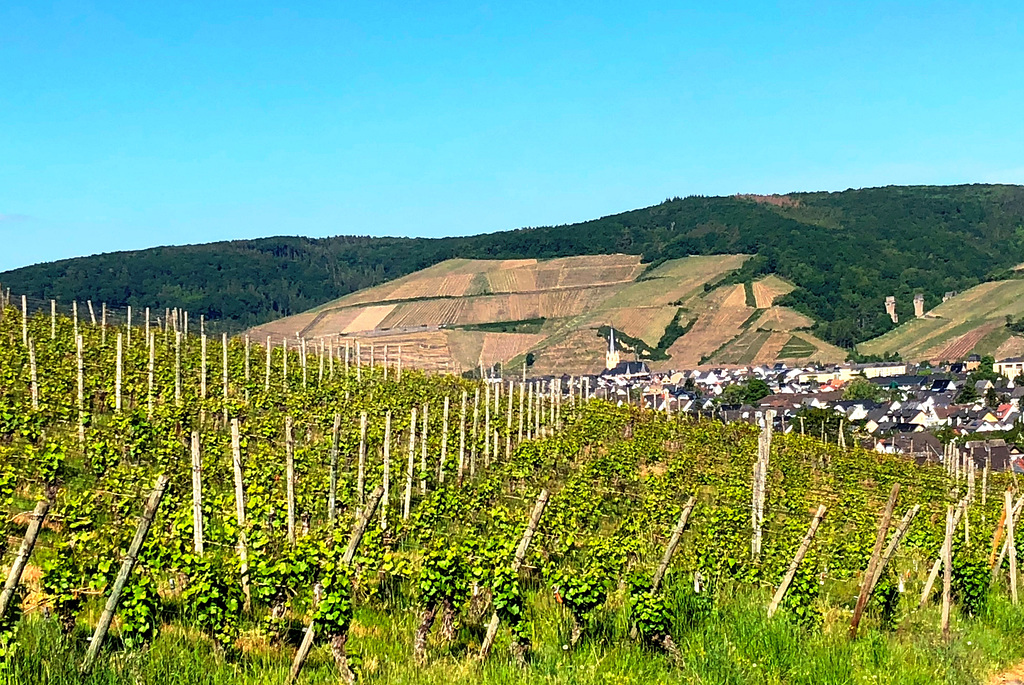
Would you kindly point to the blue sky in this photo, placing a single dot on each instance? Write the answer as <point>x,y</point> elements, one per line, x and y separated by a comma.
<point>127,125</point>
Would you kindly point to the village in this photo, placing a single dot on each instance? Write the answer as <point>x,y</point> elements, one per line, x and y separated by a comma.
<point>946,414</point>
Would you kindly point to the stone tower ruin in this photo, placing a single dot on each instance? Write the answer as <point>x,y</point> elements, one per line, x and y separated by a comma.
<point>890,308</point>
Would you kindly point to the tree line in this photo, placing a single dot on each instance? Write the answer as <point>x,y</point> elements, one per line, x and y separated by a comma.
<point>845,252</point>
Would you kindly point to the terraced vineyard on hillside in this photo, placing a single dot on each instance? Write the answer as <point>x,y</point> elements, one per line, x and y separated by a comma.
<point>560,305</point>
<point>972,321</point>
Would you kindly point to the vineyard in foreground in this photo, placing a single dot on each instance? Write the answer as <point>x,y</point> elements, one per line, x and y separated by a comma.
<point>209,514</point>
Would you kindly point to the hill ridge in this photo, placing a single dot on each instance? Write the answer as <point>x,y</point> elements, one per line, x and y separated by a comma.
<point>843,251</point>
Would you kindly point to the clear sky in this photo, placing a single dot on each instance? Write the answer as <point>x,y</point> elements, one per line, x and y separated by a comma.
<point>127,125</point>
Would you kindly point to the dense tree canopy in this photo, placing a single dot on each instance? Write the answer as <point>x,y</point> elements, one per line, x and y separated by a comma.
<point>844,251</point>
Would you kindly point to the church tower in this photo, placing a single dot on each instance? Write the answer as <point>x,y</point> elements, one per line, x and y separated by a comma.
<point>611,357</point>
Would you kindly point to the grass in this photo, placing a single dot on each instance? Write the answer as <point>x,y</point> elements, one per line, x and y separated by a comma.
<point>985,303</point>
<point>728,641</point>
<point>752,342</point>
<point>675,280</point>
<point>522,326</point>
<point>797,348</point>
<point>748,291</point>
<point>991,342</point>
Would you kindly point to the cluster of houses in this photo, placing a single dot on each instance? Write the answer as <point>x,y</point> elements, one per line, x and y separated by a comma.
<point>909,403</point>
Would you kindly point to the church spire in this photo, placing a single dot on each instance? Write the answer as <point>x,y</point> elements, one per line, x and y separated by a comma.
<point>611,357</point>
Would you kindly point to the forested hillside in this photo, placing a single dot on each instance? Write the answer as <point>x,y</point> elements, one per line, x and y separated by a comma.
<point>844,251</point>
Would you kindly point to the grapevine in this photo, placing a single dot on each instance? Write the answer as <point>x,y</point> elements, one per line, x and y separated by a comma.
<point>618,477</point>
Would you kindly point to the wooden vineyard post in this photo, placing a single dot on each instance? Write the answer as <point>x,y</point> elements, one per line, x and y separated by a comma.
<point>92,314</point>
<point>947,571</point>
<point>224,373</point>
<point>517,562</point>
<point>148,514</point>
<point>462,436</point>
<point>197,496</point>
<point>670,550</point>
<point>243,549</point>
<point>970,483</point>
<point>81,389</point>
<point>756,510</point>
<point>532,400</point>
<point>320,359</point>
<point>74,316</point>
<point>350,552</point>
<point>764,445</point>
<point>24,552</point>
<point>538,410</point>
<point>147,323</point>
<point>302,359</point>
<point>361,465</point>
<point>151,375</point>
<point>487,425</point>
<point>359,363</point>
<point>522,397</point>
<point>508,421</point>
<point>798,558</point>
<point>248,362</point>
<point>937,566</point>
<point>1002,554</point>
<point>24,321</point>
<point>202,366</point>
<point>387,473</point>
<point>865,588</point>
<point>553,399</point>
<point>407,502</point>
<point>529,410</point>
<point>128,326</point>
<point>444,442</point>
<point>53,329</point>
<point>117,374</point>
<point>177,369</point>
<point>332,495</point>
<point>423,451</point>
<point>476,433</point>
<point>558,404</point>
<point>890,549</point>
<point>398,370</point>
<point>1011,547</point>
<point>984,483</point>
<point>289,446</point>
<point>386,361</point>
<point>33,376</point>
<point>266,375</point>
<point>284,364</point>
<point>673,542</point>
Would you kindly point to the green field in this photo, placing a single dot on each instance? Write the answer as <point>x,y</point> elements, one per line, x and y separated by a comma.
<point>797,348</point>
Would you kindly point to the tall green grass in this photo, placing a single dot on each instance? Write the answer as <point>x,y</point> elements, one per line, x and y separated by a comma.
<point>724,640</point>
